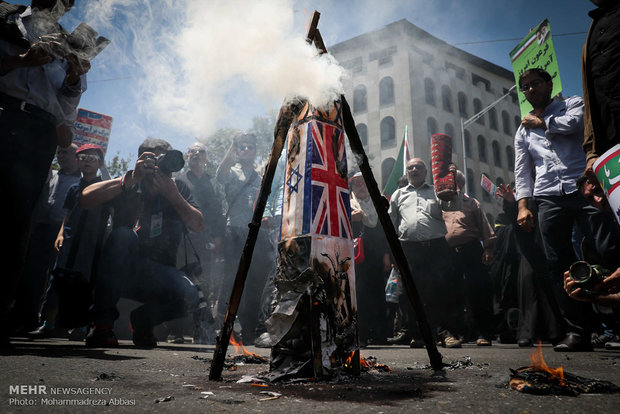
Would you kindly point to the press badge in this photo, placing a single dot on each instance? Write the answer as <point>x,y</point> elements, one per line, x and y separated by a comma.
<point>157,221</point>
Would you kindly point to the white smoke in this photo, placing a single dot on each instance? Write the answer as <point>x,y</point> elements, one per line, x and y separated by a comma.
<point>194,60</point>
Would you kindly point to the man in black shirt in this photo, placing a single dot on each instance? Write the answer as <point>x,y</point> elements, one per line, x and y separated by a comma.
<point>151,212</point>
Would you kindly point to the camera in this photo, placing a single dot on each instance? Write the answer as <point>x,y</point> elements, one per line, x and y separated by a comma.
<point>588,276</point>
<point>171,161</point>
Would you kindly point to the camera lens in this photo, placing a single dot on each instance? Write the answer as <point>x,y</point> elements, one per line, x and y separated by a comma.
<point>580,272</point>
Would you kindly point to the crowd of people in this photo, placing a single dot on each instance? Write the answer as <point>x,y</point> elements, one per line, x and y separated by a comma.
<point>169,236</point>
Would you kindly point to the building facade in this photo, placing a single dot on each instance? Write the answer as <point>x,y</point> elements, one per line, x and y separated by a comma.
<point>400,75</point>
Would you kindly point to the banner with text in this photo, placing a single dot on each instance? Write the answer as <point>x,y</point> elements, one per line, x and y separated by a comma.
<point>535,51</point>
<point>92,128</point>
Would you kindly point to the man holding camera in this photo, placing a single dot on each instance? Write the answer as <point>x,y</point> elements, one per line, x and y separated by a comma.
<point>150,214</point>
<point>548,162</point>
<point>40,88</point>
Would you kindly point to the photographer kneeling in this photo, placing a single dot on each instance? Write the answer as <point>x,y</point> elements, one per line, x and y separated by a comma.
<point>150,213</point>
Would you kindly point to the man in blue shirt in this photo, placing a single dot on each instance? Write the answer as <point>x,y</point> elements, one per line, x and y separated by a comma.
<point>548,161</point>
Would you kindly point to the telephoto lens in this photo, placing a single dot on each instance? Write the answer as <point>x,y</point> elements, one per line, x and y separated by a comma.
<point>588,276</point>
<point>171,161</point>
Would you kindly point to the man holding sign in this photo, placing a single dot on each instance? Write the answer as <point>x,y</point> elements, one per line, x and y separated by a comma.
<point>548,162</point>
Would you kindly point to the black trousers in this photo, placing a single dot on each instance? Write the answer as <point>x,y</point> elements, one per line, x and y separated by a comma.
<point>430,264</point>
<point>470,273</point>
<point>29,144</point>
<point>556,217</point>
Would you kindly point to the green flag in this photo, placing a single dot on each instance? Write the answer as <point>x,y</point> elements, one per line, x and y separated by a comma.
<point>399,169</point>
<point>535,51</point>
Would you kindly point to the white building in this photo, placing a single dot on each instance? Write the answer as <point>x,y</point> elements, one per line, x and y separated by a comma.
<point>401,76</point>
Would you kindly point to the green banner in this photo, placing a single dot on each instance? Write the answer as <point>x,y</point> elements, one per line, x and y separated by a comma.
<point>535,51</point>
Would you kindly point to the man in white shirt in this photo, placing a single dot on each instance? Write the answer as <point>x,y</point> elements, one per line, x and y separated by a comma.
<point>417,217</point>
<point>548,162</point>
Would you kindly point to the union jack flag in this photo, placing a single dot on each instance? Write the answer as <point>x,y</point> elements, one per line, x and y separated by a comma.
<point>331,207</point>
<point>317,198</point>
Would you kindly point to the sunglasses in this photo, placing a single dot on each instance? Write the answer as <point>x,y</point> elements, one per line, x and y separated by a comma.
<point>533,84</point>
<point>88,157</point>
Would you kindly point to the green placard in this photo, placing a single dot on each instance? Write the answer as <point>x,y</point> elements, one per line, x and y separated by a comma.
<point>535,51</point>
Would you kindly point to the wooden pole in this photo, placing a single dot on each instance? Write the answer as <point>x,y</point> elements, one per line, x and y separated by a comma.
<point>285,118</point>
<point>381,206</point>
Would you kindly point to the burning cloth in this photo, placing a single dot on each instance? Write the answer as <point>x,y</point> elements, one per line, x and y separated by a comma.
<point>314,323</point>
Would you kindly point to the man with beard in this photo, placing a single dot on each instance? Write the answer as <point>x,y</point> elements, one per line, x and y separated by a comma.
<point>548,161</point>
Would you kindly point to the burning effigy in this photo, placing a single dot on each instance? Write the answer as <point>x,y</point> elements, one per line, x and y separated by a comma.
<point>314,324</point>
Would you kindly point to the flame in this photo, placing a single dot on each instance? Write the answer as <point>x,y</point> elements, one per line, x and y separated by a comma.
<point>240,349</point>
<point>538,363</point>
<point>364,363</point>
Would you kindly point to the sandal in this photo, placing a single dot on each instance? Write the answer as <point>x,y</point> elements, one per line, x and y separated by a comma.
<point>483,342</point>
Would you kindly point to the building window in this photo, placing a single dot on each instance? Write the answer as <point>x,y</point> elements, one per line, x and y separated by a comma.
<point>506,123</point>
<point>446,98</point>
<point>449,130</point>
<point>497,156</point>
<point>471,188</point>
<point>482,149</point>
<point>493,118</point>
<point>517,122</point>
<point>476,79</point>
<point>388,132</point>
<point>467,144</point>
<point>431,127</point>
<point>477,109</point>
<point>362,131</point>
<point>462,98</point>
<point>510,158</point>
<point>386,170</point>
<point>386,91</point>
<point>429,91</point>
<point>359,99</point>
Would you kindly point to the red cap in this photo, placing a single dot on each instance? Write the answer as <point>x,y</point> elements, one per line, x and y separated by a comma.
<point>85,147</point>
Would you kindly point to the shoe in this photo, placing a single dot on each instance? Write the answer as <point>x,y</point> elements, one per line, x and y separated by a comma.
<point>264,341</point>
<point>143,336</point>
<point>175,339</point>
<point>524,343</point>
<point>101,336</point>
<point>77,334</point>
<point>43,332</point>
<point>573,343</point>
<point>612,345</point>
<point>416,344</point>
<point>401,338</point>
<point>483,342</point>
<point>451,342</point>
<point>599,341</point>
<point>448,340</point>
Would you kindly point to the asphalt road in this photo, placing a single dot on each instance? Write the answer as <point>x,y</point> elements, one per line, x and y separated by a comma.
<point>63,376</point>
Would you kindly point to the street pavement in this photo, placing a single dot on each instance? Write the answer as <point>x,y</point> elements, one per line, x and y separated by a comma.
<point>58,375</point>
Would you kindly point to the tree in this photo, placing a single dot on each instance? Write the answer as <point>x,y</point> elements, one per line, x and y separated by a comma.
<point>218,143</point>
<point>118,166</point>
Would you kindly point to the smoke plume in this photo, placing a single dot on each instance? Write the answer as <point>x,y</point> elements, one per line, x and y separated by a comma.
<point>194,61</point>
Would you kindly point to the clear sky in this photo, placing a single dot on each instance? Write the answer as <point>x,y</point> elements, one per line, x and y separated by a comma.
<point>180,69</point>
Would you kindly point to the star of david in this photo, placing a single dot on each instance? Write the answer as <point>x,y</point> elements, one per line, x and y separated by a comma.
<point>293,180</point>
